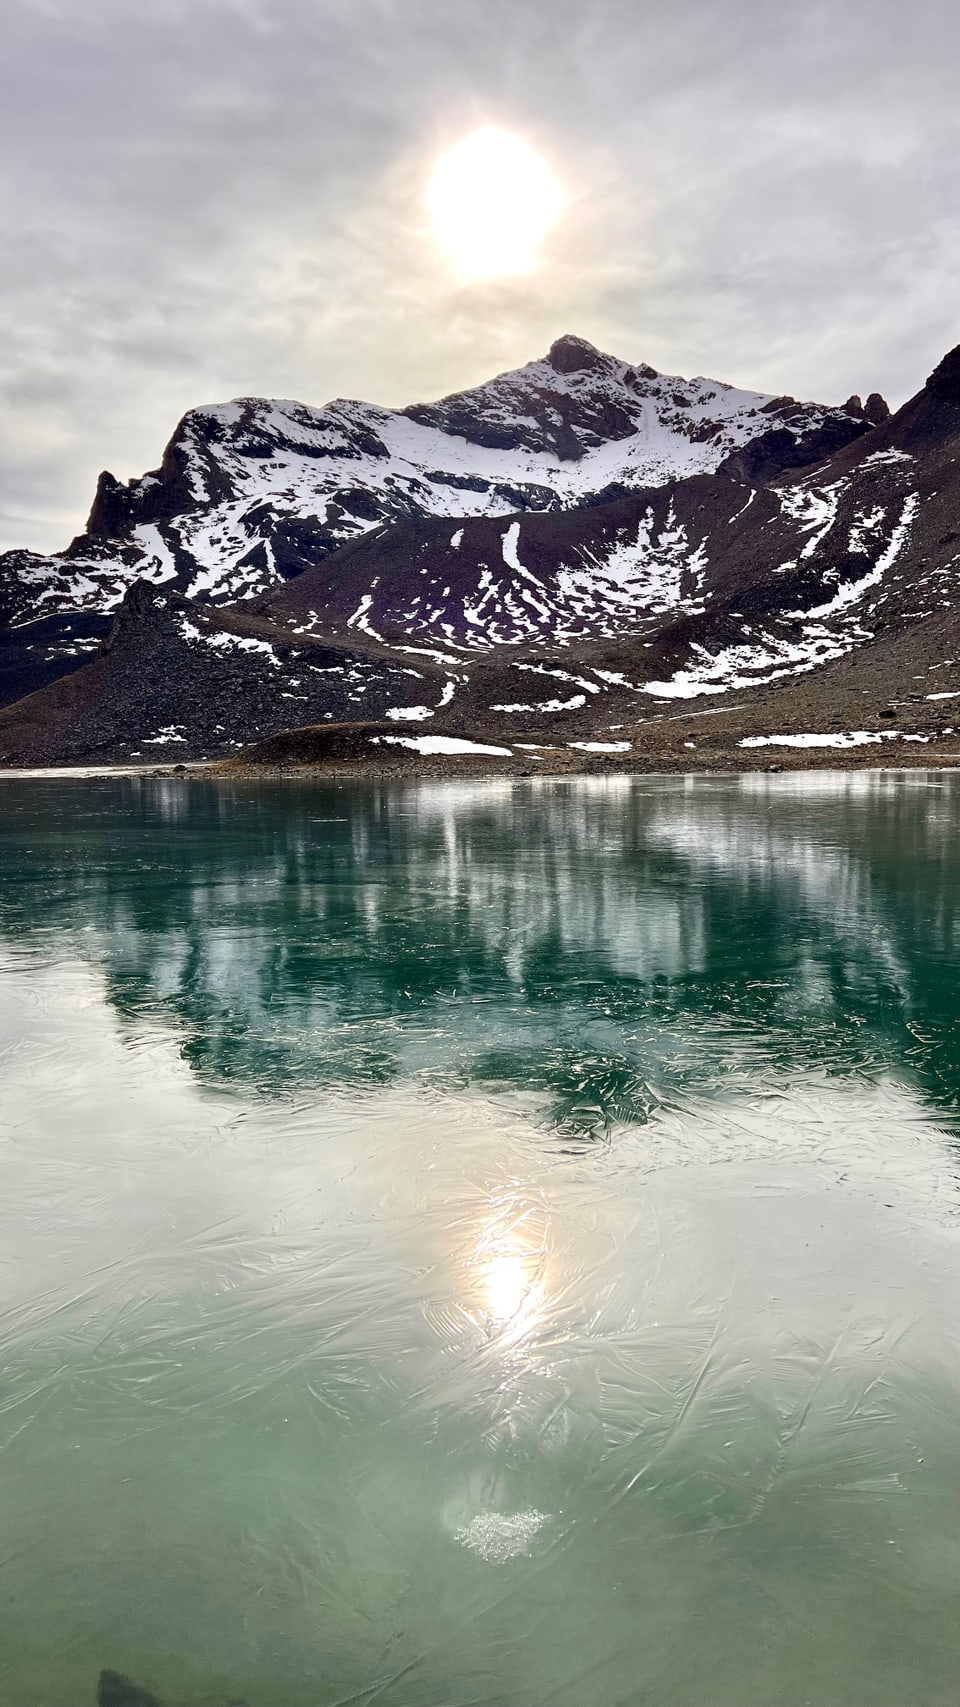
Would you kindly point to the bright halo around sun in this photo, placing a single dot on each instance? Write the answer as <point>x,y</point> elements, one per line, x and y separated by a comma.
<point>493,199</point>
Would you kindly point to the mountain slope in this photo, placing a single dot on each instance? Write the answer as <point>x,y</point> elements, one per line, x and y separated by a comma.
<point>253,492</point>
<point>725,583</point>
<point>817,603</point>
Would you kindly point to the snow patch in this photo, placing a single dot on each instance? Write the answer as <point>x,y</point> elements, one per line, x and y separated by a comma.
<point>428,744</point>
<point>855,738</point>
<point>511,540</point>
<point>885,458</point>
<point>223,642</point>
<point>602,746</point>
<point>849,592</point>
<point>164,737</point>
<point>574,704</point>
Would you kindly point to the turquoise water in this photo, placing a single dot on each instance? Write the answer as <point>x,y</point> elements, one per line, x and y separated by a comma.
<point>487,1243</point>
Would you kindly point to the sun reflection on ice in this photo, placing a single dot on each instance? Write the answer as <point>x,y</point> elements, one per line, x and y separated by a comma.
<point>507,1286</point>
<point>508,1271</point>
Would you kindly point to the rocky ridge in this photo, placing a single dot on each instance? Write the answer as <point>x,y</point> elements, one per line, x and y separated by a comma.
<point>599,616</point>
<point>253,492</point>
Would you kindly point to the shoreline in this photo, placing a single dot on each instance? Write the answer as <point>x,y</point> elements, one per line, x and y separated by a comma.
<point>789,763</point>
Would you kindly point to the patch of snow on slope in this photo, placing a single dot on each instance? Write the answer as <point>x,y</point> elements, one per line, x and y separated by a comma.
<point>409,713</point>
<point>227,642</point>
<point>165,737</point>
<point>160,564</point>
<point>855,738</point>
<point>747,666</point>
<point>814,510</point>
<point>574,704</point>
<point>559,675</point>
<point>601,746</point>
<point>885,458</point>
<point>429,744</point>
<point>616,680</point>
<point>864,529</point>
<point>511,541</point>
<point>642,573</point>
<point>849,592</point>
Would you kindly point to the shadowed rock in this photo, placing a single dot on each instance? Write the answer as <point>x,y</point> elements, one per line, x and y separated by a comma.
<point>115,1690</point>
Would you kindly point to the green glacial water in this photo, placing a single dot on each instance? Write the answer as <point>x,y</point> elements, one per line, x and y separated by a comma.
<point>481,1245</point>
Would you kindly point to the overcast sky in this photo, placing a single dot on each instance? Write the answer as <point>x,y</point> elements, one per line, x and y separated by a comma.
<point>211,198</point>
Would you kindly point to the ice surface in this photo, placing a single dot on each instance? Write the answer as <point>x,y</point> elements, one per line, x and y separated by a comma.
<point>496,1538</point>
<point>490,1241</point>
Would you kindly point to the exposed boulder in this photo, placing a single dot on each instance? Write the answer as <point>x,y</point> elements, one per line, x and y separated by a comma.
<point>876,409</point>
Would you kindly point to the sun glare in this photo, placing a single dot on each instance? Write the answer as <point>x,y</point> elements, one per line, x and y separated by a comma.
<point>492,199</point>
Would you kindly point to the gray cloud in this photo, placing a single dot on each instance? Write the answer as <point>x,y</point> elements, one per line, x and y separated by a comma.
<point>205,198</point>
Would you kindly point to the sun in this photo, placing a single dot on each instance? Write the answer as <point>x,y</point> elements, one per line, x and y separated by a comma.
<point>492,199</point>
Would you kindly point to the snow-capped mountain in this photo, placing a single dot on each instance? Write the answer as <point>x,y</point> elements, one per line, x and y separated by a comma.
<point>254,491</point>
<point>796,567</point>
<point>614,610</point>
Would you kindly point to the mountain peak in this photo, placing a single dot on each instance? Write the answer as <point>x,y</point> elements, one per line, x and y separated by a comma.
<point>944,382</point>
<point>570,354</point>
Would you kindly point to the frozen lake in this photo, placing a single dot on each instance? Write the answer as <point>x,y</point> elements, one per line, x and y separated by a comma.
<point>481,1245</point>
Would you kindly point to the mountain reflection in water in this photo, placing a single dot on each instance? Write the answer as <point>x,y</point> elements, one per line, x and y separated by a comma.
<point>480,1243</point>
<point>591,944</point>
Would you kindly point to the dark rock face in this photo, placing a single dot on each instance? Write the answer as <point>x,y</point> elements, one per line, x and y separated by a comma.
<point>574,355</point>
<point>944,382</point>
<point>778,451</point>
<point>114,1690</point>
<point>117,1691</point>
<point>112,512</point>
<point>876,409</point>
<point>173,681</point>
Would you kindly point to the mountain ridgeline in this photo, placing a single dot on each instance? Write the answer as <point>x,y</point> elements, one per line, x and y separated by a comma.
<point>574,563</point>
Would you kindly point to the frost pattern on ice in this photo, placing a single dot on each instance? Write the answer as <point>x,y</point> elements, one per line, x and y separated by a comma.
<point>496,1538</point>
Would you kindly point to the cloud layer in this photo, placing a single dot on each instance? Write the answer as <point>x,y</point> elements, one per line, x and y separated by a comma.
<point>210,198</point>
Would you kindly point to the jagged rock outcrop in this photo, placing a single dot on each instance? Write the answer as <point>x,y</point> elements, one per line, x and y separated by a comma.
<point>876,409</point>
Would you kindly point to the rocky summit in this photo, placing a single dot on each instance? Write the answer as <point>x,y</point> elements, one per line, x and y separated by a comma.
<point>581,562</point>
